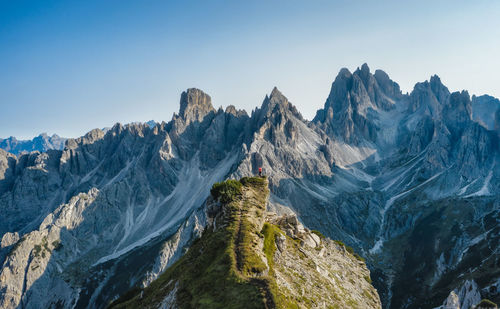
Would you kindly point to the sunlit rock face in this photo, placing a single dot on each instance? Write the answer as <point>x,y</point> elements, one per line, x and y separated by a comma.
<point>411,181</point>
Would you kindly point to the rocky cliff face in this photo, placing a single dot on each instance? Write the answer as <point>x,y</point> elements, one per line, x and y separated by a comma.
<point>484,109</point>
<point>247,259</point>
<point>353,101</point>
<point>410,181</point>
<point>467,296</point>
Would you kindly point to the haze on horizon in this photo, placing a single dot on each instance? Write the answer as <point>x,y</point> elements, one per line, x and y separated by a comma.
<point>69,67</point>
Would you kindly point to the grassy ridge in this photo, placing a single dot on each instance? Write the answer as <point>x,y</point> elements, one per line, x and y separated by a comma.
<point>219,270</point>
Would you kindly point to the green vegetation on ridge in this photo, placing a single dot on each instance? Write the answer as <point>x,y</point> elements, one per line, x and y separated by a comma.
<point>220,269</point>
<point>226,191</point>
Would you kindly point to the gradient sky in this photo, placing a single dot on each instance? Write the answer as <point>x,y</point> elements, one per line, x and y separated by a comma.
<point>69,66</point>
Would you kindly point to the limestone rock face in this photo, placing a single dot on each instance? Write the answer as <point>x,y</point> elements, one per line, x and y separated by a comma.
<point>484,110</point>
<point>458,112</point>
<point>466,296</point>
<point>325,270</point>
<point>9,239</point>
<point>195,105</point>
<point>452,302</point>
<point>429,97</point>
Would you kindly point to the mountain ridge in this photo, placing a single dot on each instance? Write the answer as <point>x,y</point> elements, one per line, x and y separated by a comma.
<point>42,142</point>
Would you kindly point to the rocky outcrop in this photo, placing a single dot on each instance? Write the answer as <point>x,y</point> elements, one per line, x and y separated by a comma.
<point>334,269</point>
<point>484,109</point>
<point>195,105</point>
<point>465,297</point>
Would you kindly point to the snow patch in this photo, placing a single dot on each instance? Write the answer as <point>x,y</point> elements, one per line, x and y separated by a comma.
<point>485,188</point>
<point>464,189</point>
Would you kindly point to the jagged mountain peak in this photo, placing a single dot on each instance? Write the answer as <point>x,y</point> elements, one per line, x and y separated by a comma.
<point>276,100</point>
<point>343,73</point>
<point>195,105</point>
<point>276,97</point>
<point>346,81</point>
<point>435,79</point>
<point>364,68</point>
<point>276,104</point>
<point>351,109</point>
<point>231,109</point>
<point>434,83</point>
<point>438,88</point>
<point>276,92</point>
<point>429,97</point>
<point>92,136</point>
<point>388,86</point>
<point>363,73</point>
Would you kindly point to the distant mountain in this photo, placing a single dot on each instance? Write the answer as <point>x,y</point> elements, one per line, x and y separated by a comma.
<point>151,123</point>
<point>42,142</point>
<point>410,181</point>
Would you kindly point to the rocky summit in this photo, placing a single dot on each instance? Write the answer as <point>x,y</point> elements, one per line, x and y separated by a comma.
<point>409,181</point>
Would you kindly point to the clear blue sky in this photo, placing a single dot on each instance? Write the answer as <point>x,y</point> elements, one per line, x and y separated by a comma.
<point>69,66</point>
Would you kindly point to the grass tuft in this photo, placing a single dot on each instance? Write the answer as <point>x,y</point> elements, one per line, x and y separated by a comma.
<point>318,233</point>
<point>226,191</point>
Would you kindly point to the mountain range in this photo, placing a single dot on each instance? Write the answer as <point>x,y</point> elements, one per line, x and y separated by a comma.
<point>42,142</point>
<point>410,181</point>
